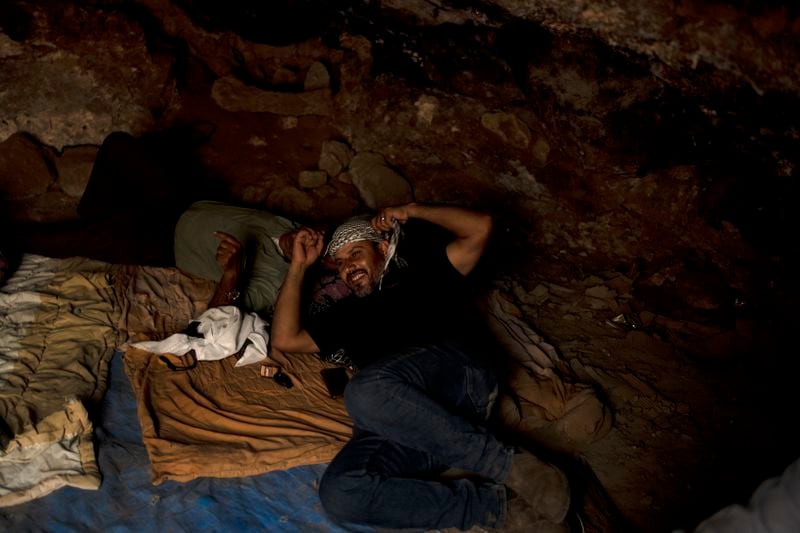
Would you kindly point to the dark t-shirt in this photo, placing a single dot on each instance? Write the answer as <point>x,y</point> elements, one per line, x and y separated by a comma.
<point>423,301</point>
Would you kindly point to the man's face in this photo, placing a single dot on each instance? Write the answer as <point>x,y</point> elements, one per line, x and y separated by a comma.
<point>360,265</point>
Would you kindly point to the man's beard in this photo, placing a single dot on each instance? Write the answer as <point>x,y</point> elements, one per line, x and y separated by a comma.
<point>364,286</point>
<point>364,291</point>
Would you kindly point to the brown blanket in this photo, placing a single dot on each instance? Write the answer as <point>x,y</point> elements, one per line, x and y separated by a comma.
<point>216,420</point>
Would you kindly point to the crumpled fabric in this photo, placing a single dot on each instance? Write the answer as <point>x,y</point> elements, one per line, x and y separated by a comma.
<point>548,405</point>
<point>225,331</point>
<point>394,238</point>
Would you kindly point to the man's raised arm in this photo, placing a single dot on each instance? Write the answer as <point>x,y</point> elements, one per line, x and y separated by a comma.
<point>471,229</point>
<point>288,334</point>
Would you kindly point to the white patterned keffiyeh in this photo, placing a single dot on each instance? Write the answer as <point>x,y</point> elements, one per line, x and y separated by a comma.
<point>352,230</point>
<point>360,229</point>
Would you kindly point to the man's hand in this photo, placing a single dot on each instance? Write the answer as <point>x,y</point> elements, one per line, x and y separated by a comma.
<point>229,252</point>
<point>384,219</point>
<point>229,257</point>
<point>307,247</point>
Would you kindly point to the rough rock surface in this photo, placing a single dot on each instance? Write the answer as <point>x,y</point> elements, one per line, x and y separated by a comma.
<point>377,183</point>
<point>74,75</point>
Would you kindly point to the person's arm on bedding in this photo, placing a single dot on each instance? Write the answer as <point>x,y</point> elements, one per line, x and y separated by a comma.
<point>288,334</point>
<point>229,257</point>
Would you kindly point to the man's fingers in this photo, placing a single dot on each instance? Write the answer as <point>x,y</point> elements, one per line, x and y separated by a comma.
<point>379,221</point>
<point>228,249</point>
<point>382,221</point>
<point>227,240</point>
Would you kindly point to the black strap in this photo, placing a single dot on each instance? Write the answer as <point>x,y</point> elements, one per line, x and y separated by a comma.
<point>192,355</point>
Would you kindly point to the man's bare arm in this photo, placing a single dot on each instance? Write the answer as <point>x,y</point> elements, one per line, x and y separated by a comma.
<point>228,257</point>
<point>471,229</point>
<point>288,334</point>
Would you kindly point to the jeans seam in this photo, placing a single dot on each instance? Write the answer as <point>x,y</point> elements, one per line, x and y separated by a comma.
<point>502,498</point>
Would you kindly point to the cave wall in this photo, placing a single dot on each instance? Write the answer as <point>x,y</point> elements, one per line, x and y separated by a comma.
<point>657,139</point>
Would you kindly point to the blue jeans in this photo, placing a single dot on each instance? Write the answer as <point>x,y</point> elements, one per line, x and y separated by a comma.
<point>416,414</point>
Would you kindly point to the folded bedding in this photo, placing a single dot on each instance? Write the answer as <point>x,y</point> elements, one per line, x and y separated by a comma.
<point>58,321</point>
<point>127,500</point>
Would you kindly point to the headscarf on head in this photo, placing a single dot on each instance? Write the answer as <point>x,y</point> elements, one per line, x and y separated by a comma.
<point>352,230</point>
<point>360,228</point>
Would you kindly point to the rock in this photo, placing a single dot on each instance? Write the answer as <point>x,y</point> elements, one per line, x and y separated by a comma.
<point>74,167</point>
<point>539,295</point>
<point>25,169</point>
<point>257,140</point>
<point>334,204</point>
<point>508,127</point>
<point>291,201</point>
<point>378,185</point>
<point>334,157</point>
<point>601,291</point>
<point>311,179</point>
<point>253,194</point>
<point>289,123</point>
<point>426,109</point>
<point>233,94</point>
<point>317,77</point>
<point>541,151</point>
<point>51,206</point>
<point>284,76</point>
<point>80,74</point>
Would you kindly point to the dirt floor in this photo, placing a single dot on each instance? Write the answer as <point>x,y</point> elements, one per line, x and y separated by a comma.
<point>691,434</point>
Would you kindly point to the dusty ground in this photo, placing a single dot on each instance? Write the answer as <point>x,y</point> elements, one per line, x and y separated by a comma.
<point>691,434</point>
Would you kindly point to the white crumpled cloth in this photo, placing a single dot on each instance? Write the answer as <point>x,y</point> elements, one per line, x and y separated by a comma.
<point>225,330</point>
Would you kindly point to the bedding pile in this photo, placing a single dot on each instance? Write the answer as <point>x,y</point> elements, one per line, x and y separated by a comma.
<point>58,330</point>
<point>60,322</point>
<point>284,501</point>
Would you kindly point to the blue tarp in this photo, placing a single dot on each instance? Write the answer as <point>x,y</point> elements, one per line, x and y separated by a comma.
<point>128,501</point>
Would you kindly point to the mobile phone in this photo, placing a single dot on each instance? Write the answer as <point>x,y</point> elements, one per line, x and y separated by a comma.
<point>335,380</point>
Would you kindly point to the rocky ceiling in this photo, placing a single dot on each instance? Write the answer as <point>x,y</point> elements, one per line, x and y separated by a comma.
<point>639,156</point>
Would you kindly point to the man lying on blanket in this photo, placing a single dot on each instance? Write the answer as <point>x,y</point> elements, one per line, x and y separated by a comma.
<point>424,389</point>
<point>240,248</point>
